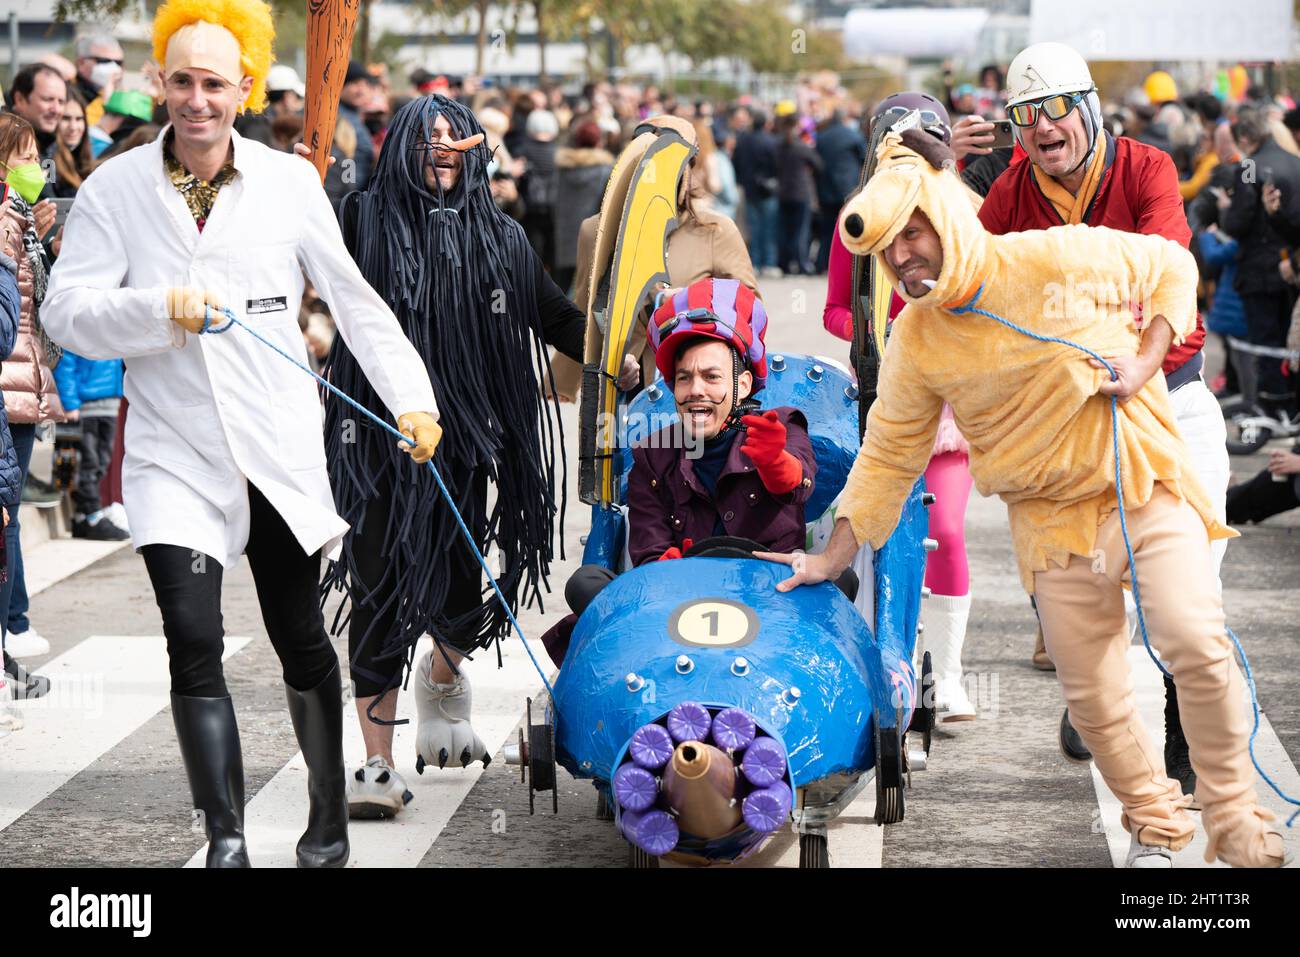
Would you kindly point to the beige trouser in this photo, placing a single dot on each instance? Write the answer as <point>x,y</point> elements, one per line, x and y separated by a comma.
<point>1081,608</point>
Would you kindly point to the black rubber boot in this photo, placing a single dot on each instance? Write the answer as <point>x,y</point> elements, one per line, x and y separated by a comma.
<point>209,740</point>
<point>1177,764</point>
<point>1072,745</point>
<point>318,721</point>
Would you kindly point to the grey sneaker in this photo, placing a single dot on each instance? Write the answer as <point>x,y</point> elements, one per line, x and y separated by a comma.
<point>1148,856</point>
<point>41,494</point>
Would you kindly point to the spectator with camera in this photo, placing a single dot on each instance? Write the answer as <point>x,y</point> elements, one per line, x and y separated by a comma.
<point>1266,295</point>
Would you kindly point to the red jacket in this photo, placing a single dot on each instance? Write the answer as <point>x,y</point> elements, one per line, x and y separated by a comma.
<point>1138,194</point>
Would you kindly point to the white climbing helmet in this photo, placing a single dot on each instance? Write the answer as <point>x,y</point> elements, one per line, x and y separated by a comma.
<point>1046,69</point>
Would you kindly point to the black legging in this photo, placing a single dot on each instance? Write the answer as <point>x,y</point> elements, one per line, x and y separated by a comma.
<point>187,587</point>
<point>372,675</point>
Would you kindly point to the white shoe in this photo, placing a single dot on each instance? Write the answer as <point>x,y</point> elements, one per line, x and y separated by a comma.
<point>944,617</point>
<point>1148,856</point>
<point>27,645</point>
<point>10,720</point>
<point>376,791</point>
<point>444,735</point>
<point>116,513</point>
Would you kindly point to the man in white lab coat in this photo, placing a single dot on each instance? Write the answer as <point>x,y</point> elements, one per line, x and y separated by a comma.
<point>224,450</point>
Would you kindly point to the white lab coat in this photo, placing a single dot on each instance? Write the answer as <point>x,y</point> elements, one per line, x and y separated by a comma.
<point>210,413</point>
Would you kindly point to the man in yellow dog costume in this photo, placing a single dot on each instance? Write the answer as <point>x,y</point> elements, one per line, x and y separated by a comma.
<point>1038,418</point>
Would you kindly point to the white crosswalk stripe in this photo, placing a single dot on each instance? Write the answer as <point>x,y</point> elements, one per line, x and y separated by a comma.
<point>101,691</point>
<point>274,819</point>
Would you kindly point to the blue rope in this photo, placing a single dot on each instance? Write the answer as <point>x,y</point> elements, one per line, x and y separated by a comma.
<point>1128,547</point>
<point>437,478</point>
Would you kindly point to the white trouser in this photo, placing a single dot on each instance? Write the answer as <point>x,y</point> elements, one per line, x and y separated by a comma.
<point>1200,422</point>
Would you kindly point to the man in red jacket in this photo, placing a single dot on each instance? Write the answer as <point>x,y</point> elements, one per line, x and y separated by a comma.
<point>1075,171</point>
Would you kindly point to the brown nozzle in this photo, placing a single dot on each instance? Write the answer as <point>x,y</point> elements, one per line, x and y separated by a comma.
<point>700,784</point>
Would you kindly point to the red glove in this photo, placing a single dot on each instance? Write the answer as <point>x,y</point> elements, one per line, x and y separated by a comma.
<point>676,552</point>
<point>765,446</point>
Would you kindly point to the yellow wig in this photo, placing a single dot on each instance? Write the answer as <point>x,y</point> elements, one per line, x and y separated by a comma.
<point>249,21</point>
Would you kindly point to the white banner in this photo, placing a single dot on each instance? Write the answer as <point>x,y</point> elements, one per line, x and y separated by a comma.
<point>923,34</point>
<point>1249,30</point>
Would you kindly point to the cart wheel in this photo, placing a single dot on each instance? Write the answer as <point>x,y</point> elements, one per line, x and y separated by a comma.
<point>889,775</point>
<point>923,714</point>
<point>541,761</point>
<point>638,859</point>
<point>814,851</point>
<point>604,810</point>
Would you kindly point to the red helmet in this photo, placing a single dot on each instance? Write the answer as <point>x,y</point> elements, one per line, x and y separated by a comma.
<point>722,309</point>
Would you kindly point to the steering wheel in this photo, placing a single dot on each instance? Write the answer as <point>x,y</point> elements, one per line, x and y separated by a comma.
<point>725,546</point>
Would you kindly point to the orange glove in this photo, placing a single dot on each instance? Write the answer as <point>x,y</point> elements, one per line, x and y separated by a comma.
<point>185,306</point>
<point>422,429</point>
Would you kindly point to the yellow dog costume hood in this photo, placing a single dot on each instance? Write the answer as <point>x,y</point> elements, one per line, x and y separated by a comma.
<point>231,38</point>
<point>1039,432</point>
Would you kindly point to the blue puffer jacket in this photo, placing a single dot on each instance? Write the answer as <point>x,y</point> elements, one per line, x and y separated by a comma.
<point>1227,315</point>
<point>11,487</point>
<point>85,380</point>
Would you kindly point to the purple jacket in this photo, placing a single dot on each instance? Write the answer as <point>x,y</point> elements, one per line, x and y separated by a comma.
<point>667,504</point>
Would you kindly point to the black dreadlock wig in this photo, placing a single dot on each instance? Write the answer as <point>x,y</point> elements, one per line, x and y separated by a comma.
<point>459,275</point>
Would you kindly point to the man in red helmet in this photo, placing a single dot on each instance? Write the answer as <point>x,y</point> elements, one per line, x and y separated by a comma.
<point>708,342</point>
<point>727,469</point>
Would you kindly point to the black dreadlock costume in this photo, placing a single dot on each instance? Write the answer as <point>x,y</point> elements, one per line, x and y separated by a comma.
<point>465,286</point>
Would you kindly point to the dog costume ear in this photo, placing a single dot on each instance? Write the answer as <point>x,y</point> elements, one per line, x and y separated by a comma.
<point>936,152</point>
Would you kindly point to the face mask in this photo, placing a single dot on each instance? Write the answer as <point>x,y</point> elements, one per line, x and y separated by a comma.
<point>27,181</point>
<point>101,74</point>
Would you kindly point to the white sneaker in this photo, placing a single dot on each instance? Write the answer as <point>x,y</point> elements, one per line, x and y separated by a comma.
<point>10,720</point>
<point>376,791</point>
<point>1148,856</point>
<point>29,644</point>
<point>116,513</point>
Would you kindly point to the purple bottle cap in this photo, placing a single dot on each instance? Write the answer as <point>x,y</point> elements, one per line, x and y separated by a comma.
<point>764,762</point>
<point>767,809</point>
<point>635,788</point>
<point>689,721</point>
<point>653,831</point>
<point>733,729</point>
<point>651,747</point>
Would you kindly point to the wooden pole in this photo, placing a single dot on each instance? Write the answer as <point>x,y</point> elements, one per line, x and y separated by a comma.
<point>330,24</point>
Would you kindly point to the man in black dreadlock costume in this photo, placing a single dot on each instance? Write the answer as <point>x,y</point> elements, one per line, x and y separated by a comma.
<point>472,297</point>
